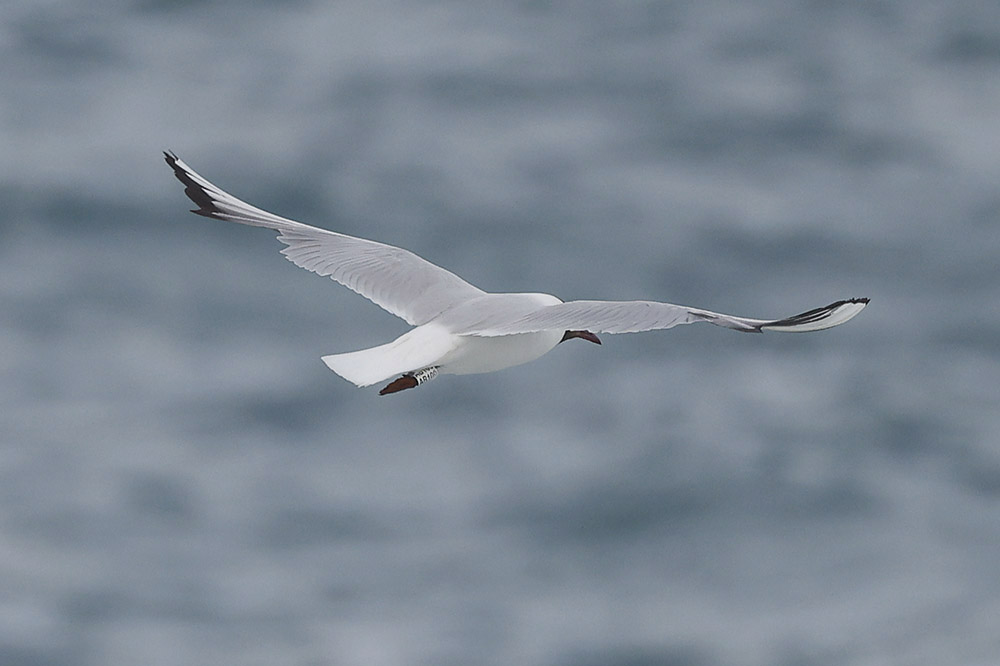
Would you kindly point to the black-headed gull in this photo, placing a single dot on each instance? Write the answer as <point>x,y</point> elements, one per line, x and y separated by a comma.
<point>460,329</point>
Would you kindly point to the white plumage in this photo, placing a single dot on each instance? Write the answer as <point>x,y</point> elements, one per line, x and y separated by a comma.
<point>461,329</point>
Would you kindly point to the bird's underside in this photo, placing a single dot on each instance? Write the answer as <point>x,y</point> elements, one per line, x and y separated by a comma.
<point>459,328</point>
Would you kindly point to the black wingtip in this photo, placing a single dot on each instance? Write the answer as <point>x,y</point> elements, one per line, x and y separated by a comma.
<point>812,316</point>
<point>847,301</point>
<point>171,159</point>
<point>195,192</point>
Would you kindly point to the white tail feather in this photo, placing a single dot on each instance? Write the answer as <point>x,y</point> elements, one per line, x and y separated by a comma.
<point>416,349</point>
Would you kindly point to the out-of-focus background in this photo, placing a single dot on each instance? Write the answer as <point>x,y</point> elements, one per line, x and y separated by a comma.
<point>183,482</point>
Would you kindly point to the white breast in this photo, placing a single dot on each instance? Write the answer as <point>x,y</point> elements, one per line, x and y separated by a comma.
<point>473,354</point>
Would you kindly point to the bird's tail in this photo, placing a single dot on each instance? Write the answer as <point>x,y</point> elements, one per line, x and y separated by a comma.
<point>367,366</point>
<point>418,348</point>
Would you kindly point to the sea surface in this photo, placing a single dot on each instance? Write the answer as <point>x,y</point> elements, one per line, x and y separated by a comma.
<point>183,482</point>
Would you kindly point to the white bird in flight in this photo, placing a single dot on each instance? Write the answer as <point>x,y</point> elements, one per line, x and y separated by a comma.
<point>460,329</point>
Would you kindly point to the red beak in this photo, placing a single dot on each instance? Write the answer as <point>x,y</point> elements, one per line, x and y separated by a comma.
<point>585,335</point>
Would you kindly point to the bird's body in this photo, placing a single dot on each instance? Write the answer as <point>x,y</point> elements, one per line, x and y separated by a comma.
<point>458,328</point>
<point>433,345</point>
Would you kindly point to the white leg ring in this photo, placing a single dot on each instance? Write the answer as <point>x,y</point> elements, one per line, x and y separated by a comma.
<point>426,374</point>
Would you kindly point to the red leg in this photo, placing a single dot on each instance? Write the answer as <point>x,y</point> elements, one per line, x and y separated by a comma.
<point>403,383</point>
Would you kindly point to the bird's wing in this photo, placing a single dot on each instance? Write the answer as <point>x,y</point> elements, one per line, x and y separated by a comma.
<point>406,285</point>
<point>635,316</point>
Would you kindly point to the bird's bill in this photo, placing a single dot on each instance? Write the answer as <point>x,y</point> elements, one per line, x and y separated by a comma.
<point>584,335</point>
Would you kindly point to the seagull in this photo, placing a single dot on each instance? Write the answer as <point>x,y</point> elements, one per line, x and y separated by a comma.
<point>459,329</point>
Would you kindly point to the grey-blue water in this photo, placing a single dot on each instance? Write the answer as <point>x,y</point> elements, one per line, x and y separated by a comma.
<point>182,481</point>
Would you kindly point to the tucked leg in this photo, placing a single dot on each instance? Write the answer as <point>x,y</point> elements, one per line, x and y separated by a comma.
<point>411,379</point>
<point>401,384</point>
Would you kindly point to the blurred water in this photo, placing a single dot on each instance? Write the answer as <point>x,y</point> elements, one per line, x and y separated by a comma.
<point>183,482</point>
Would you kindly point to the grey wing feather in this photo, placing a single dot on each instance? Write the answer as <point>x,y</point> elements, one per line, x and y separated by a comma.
<point>636,316</point>
<point>397,280</point>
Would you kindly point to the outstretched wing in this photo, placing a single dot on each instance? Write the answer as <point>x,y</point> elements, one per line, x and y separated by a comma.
<point>406,285</point>
<point>635,316</point>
